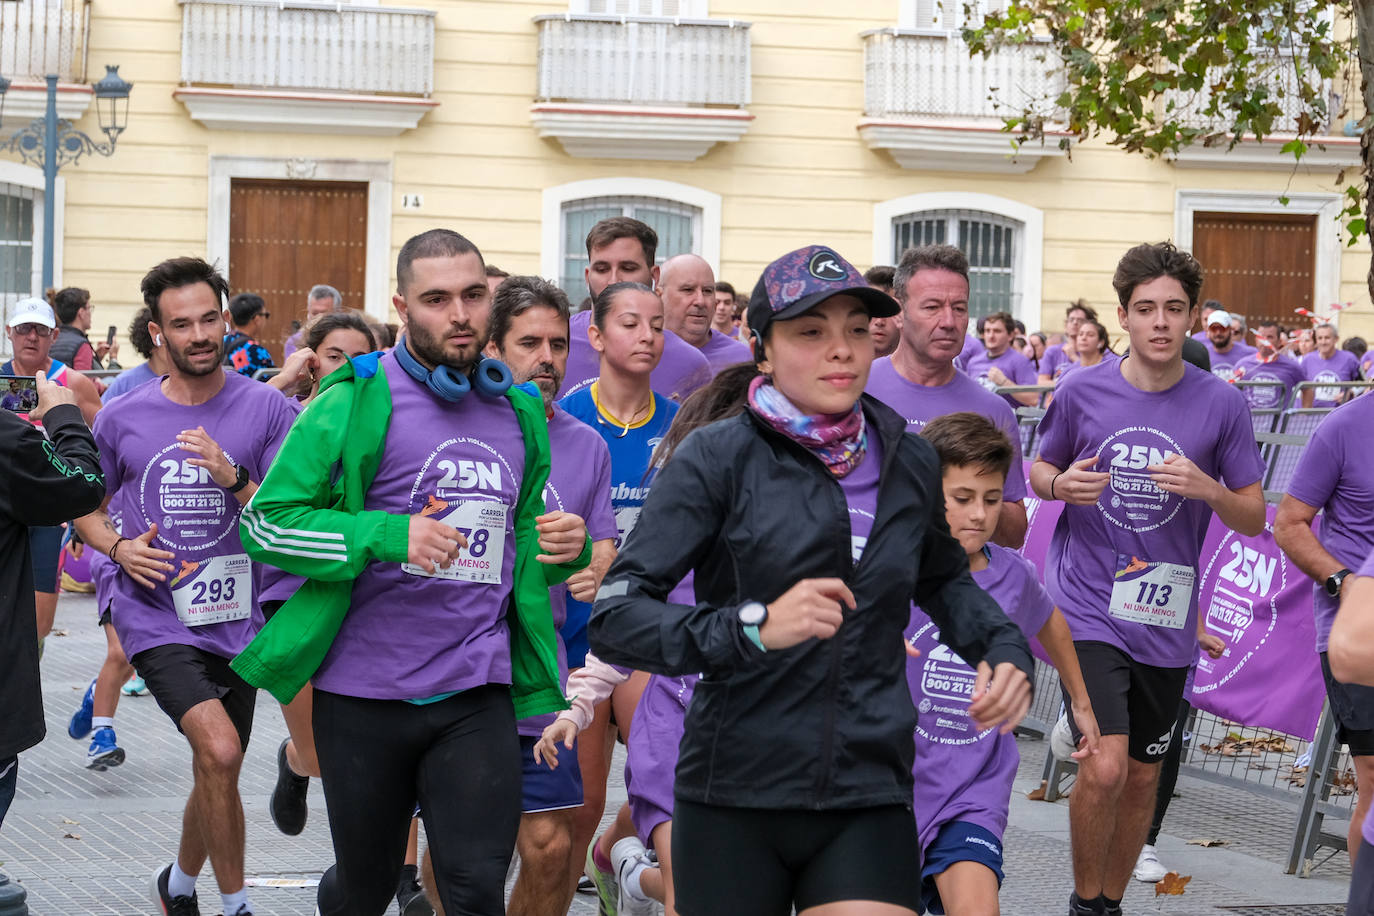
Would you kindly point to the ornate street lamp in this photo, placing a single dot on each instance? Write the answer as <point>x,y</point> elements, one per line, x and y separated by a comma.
<point>50,143</point>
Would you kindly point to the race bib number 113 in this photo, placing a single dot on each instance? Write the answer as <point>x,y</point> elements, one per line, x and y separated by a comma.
<point>1155,594</point>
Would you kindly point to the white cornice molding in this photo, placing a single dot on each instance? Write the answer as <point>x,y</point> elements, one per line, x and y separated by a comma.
<point>303,112</point>
<point>927,146</point>
<point>1328,153</point>
<point>634,132</point>
<point>26,101</point>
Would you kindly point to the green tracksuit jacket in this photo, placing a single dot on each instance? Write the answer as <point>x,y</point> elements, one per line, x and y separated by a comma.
<point>315,490</point>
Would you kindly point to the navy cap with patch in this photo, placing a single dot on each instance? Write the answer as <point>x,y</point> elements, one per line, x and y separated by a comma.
<point>801,280</point>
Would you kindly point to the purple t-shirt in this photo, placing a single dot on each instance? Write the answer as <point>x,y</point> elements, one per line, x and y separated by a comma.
<point>1067,367</point>
<point>962,774</point>
<point>682,369</point>
<point>1367,366</point>
<point>277,584</point>
<point>860,487</point>
<point>1224,364</point>
<point>149,475</point>
<point>972,347</point>
<point>580,483</point>
<point>1285,370</point>
<point>1015,366</point>
<point>1054,358</point>
<point>919,404</point>
<point>460,463</point>
<point>127,381</point>
<point>722,351</point>
<point>1336,476</point>
<point>1139,542</point>
<point>1341,367</point>
<point>1367,569</point>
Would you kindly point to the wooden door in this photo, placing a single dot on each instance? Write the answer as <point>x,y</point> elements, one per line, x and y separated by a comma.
<point>287,236</point>
<point>1259,265</point>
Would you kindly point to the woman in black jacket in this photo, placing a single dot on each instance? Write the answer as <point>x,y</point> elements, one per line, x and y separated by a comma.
<point>812,521</point>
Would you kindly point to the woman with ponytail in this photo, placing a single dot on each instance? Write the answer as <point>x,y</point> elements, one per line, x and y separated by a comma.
<point>811,522</point>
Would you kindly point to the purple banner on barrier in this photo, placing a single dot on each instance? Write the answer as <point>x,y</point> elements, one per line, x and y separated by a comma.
<point>1260,604</point>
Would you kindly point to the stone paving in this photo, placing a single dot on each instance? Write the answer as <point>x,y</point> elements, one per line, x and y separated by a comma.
<point>83,842</point>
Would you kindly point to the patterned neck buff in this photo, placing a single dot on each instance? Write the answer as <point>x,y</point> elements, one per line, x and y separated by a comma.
<point>840,440</point>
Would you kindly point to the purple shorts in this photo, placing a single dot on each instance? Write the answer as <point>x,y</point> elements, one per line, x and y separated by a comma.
<point>651,758</point>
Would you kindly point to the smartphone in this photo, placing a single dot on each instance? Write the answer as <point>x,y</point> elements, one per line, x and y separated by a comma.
<point>18,393</point>
<point>110,335</point>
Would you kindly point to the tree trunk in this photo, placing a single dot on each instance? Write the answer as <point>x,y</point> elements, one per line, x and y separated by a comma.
<point>1364,26</point>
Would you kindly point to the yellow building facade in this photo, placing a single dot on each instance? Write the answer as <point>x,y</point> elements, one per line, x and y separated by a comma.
<point>301,142</point>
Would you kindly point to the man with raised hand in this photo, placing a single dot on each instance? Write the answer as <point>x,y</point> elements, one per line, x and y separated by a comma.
<point>1268,364</point>
<point>1142,453</point>
<point>919,380</point>
<point>621,249</point>
<point>687,286</point>
<point>410,494</point>
<point>180,457</point>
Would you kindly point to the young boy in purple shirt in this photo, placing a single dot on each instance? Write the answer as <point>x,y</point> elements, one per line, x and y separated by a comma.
<point>963,776</point>
<point>1142,452</point>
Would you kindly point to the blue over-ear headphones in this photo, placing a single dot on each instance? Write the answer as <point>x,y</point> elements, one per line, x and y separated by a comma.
<point>491,378</point>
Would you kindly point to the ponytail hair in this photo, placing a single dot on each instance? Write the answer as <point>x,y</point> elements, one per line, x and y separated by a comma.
<point>725,397</point>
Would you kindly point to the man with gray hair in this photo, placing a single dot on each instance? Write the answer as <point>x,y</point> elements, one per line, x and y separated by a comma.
<point>321,300</point>
<point>919,379</point>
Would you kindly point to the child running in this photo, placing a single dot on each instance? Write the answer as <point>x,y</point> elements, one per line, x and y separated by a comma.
<point>964,773</point>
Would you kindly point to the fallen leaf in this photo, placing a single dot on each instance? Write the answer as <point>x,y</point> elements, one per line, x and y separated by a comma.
<point>1172,884</point>
<point>71,836</point>
<point>67,820</point>
<point>58,633</point>
<point>1207,844</point>
<point>1037,794</point>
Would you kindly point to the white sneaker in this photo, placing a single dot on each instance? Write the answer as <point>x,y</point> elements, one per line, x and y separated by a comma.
<point>1061,740</point>
<point>1147,867</point>
<point>627,855</point>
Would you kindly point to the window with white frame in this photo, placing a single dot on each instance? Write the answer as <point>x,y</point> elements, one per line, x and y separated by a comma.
<point>17,232</point>
<point>990,241</point>
<point>945,15</point>
<point>674,9</point>
<point>678,226</point>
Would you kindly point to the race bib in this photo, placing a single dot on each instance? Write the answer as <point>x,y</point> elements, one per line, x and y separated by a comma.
<point>483,523</point>
<point>216,590</point>
<point>1155,594</point>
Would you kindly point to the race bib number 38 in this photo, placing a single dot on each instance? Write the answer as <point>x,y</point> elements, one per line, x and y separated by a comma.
<point>1155,594</point>
<point>483,523</point>
<point>216,590</point>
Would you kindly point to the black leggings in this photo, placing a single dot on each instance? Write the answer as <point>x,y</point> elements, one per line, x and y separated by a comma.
<point>1168,771</point>
<point>459,757</point>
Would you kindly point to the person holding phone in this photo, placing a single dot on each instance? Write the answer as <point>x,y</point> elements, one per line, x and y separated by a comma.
<point>48,478</point>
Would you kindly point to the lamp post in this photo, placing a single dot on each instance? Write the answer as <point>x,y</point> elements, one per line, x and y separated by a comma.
<point>50,143</point>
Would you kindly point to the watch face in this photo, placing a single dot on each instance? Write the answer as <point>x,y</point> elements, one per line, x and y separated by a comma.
<point>752,614</point>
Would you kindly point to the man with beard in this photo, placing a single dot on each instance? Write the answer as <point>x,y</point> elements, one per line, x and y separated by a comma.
<point>687,286</point>
<point>410,495</point>
<point>180,458</point>
<point>529,333</point>
<point>1225,348</point>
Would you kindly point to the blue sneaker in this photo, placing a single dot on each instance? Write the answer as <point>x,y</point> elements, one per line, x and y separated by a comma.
<point>104,752</point>
<point>80,725</point>
<point>134,687</point>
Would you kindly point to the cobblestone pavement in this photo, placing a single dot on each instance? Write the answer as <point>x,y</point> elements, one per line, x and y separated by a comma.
<point>83,842</point>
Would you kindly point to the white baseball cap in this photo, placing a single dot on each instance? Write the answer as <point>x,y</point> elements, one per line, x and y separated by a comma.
<point>1219,317</point>
<point>31,310</point>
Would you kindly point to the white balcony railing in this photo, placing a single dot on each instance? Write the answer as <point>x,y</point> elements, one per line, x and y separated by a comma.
<point>643,61</point>
<point>38,37</point>
<point>1281,79</point>
<point>264,44</point>
<point>929,74</point>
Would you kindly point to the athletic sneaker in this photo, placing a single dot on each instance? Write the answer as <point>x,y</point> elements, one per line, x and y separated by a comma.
<point>626,856</point>
<point>105,751</point>
<point>134,687</point>
<point>166,903</point>
<point>410,897</point>
<point>80,725</point>
<point>1061,740</point>
<point>1147,867</point>
<point>1079,907</point>
<point>288,806</point>
<point>607,888</point>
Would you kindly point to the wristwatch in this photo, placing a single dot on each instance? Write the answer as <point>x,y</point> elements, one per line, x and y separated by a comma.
<point>241,479</point>
<point>1333,582</point>
<point>752,615</point>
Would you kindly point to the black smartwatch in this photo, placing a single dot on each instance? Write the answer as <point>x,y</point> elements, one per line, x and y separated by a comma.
<point>240,480</point>
<point>1333,582</point>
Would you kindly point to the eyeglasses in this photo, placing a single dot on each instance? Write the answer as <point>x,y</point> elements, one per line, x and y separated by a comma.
<point>24,330</point>
<point>266,314</point>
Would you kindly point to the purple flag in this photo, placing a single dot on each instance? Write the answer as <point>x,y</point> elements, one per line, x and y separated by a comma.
<point>1260,604</point>
<point>1041,517</point>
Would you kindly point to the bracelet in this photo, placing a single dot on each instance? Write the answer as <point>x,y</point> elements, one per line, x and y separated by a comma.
<point>1054,480</point>
<point>114,548</point>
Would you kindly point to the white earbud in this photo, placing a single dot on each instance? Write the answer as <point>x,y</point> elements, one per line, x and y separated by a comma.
<point>157,340</point>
